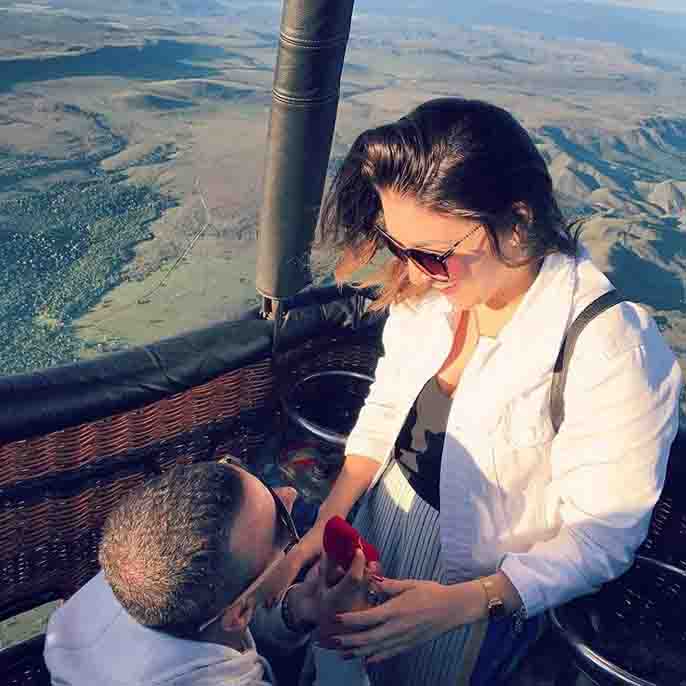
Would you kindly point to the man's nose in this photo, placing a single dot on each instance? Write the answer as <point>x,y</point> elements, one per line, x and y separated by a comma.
<point>287,495</point>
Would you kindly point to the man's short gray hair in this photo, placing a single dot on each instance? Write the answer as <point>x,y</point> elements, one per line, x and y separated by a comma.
<point>166,549</point>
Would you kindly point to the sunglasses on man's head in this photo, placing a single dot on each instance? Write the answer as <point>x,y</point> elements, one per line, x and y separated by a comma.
<point>432,264</point>
<point>287,534</point>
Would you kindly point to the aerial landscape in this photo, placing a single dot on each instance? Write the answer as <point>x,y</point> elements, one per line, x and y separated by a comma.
<point>132,142</point>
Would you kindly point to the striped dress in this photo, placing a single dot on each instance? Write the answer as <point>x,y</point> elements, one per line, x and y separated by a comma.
<point>405,530</point>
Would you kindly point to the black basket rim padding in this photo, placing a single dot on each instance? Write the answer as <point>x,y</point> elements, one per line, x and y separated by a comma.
<point>48,400</point>
<point>323,295</point>
<point>52,399</point>
<point>561,369</point>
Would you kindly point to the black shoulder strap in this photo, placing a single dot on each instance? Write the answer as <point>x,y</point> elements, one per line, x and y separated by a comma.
<point>557,404</point>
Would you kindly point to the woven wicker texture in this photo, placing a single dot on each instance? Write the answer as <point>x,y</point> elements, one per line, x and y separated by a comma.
<point>637,621</point>
<point>354,352</point>
<point>666,540</point>
<point>86,444</point>
<point>56,490</point>
<point>31,674</point>
<point>23,665</point>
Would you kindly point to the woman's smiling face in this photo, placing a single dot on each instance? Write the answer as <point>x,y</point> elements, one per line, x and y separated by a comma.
<point>477,275</point>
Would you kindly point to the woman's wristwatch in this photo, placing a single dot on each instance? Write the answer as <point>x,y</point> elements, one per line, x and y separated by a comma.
<point>494,603</point>
<point>289,619</point>
<point>496,607</point>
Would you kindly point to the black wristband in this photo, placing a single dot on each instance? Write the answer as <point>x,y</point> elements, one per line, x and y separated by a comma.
<point>288,618</point>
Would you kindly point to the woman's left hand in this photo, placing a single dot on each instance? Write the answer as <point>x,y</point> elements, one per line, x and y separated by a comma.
<point>415,612</point>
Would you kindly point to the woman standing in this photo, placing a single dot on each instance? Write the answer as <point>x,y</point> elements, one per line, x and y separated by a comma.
<point>484,516</point>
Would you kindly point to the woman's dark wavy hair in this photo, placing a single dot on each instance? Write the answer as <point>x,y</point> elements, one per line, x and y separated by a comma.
<point>463,158</point>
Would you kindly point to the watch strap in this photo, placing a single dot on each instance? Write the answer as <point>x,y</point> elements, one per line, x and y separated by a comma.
<point>518,619</point>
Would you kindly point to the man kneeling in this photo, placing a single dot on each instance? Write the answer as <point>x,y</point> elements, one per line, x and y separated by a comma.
<point>183,558</point>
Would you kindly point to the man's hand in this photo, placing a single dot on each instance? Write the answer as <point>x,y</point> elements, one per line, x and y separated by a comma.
<point>328,590</point>
<point>303,597</point>
<point>348,594</point>
<point>344,592</point>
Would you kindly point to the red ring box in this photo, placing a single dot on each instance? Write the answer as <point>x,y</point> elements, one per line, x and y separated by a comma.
<point>342,540</point>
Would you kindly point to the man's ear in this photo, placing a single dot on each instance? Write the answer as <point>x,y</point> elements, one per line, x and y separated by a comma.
<point>237,617</point>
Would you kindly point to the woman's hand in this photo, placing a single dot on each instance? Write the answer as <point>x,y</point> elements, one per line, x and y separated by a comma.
<point>416,612</point>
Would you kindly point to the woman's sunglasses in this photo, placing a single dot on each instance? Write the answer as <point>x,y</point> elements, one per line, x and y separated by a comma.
<point>431,263</point>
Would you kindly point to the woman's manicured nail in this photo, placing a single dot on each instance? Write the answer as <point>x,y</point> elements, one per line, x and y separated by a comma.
<point>377,578</point>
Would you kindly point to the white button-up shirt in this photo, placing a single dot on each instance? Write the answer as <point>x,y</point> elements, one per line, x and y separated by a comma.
<point>559,514</point>
<point>92,641</point>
